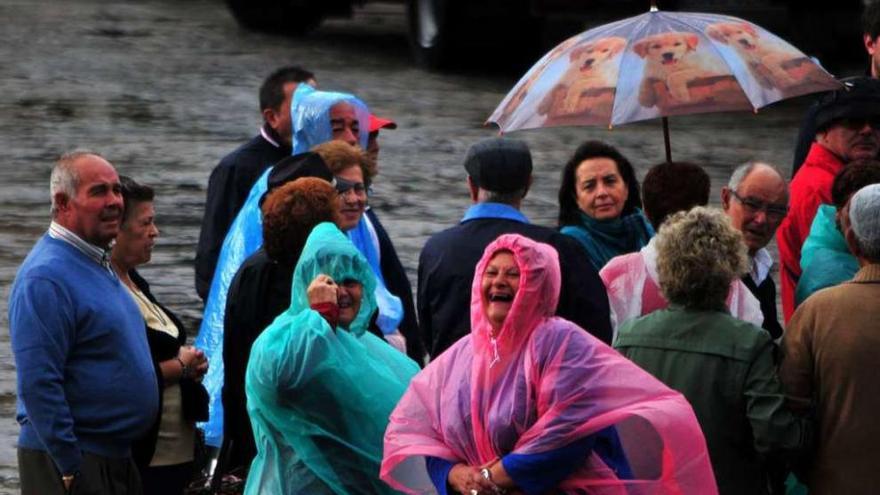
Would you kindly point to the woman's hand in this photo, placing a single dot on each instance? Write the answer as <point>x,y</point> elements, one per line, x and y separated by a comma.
<point>321,290</point>
<point>465,480</point>
<point>195,360</point>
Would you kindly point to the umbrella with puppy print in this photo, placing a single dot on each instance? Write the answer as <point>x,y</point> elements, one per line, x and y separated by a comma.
<point>659,64</point>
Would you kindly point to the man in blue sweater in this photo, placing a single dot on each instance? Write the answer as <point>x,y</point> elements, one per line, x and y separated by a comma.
<point>85,381</point>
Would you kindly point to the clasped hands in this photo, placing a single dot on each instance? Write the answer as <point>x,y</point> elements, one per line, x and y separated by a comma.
<point>469,480</point>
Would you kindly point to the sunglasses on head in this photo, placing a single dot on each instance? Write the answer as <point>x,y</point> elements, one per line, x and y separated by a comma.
<point>343,186</point>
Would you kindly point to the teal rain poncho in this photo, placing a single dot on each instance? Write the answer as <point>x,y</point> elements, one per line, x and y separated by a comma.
<point>319,398</point>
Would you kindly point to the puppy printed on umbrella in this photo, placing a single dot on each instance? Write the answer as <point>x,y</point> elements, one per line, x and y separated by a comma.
<point>674,62</point>
<point>773,64</point>
<point>522,91</point>
<point>587,86</point>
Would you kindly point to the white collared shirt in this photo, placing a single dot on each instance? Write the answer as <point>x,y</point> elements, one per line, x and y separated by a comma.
<point>761,263</point>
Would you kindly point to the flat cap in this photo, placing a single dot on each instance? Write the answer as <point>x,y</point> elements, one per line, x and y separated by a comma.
<point>499,164</point>
<point>860,98</point>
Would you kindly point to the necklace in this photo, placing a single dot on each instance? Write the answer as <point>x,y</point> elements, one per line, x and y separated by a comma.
<point>154,310</point>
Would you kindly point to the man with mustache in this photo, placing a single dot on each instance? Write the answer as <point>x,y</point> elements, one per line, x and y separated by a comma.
<point>756,200</point>
<point>86,384</point>
<point>848,128</point>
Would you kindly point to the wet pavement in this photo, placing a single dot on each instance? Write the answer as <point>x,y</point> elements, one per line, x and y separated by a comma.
<point>164,89</point>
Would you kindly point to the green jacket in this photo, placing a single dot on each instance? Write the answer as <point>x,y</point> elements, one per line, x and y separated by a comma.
<point>725,368</point>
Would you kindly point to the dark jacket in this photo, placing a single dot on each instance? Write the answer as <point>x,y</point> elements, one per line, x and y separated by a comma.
<point>725,369</point>
<point>162,348</point>
<point>259,292</point>
<point>766,295</point>
<point>398,284</point>
<point>446,272</point>
<point>228,188</point>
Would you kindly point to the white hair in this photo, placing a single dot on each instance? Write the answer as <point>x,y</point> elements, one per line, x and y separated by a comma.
<point>741,172</point>
<point>864,217</point>
<point>65,176</point>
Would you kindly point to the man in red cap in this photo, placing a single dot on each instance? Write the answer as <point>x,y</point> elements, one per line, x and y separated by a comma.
<point>377,123</point>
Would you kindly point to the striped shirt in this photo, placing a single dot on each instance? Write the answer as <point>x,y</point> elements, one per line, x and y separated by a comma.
<point>98,255</point>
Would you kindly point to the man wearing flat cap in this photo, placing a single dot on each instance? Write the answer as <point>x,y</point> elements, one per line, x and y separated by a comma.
<point>848,128</point>
<point>499,176</point>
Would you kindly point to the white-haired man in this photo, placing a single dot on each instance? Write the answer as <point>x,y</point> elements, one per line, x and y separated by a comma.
<point>85,380</point>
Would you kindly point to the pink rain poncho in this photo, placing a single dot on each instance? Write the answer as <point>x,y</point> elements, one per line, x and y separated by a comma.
<point>633,290</point>
<point>543,384</point>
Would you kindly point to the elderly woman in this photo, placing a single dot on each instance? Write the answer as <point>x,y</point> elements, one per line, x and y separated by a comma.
<point>165,455</point>
<point>529,402</point>
<point>320,387</point>
<point>631,279</point>
<point>724,366</point>
<point>825,258</point>
<point>599,203</point>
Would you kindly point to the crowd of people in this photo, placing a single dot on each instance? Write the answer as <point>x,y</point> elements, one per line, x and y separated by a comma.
<point>634,347</point>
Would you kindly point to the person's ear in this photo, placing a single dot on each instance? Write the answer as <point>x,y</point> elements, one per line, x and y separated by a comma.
<point>473,190</point>
<point>852,243</point>
<point>870,44</point>
<point>62,202</point>
<point>725,198</point>
<point>528,186</point>
<point>270,115</point>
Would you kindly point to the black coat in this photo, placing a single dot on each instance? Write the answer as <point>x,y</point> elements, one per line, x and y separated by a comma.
<point>398,284</point>
<point>259,292</point>
<point>228,188</point>
<point>162,348</point>
<point>446,272</point>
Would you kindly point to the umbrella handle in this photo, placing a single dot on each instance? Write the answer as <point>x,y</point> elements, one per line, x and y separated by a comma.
<point>666,140</point>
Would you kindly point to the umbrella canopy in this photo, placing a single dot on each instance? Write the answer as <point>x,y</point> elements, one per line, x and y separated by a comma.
<point>655,65</point>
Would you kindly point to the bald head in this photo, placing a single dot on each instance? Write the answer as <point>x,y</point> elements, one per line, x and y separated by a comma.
<point>756,200</point>
<point>87,197</point>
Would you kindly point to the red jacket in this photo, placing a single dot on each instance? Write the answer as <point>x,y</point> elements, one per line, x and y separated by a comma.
<point>810,187</point>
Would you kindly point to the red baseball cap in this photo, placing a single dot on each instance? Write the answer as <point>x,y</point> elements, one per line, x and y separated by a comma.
<point>377,123</point>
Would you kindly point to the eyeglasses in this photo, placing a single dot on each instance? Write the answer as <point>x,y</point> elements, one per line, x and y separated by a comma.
<point>343,186</point>
<point>773,211</point>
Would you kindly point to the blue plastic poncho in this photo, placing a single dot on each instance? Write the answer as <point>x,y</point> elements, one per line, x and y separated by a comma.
<point>310,117</point>
<point>825,257</point>
<point>319,398</point>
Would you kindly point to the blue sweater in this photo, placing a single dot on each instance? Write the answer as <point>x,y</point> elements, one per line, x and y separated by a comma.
<point>85,379</point>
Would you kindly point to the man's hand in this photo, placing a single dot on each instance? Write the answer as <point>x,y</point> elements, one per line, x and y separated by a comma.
<point>322,290</point>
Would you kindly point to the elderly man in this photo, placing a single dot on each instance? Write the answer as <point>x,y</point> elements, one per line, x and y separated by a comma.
<point>631,279</point>
<point>830,362</point>
<point>232,179</point>
<point>85,380</point>
<point>499,175</point>
<point>756,200</point>
<point>848,129</point>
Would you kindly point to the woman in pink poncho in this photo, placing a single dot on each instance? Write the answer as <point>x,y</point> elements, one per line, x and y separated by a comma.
<point>531,403</point>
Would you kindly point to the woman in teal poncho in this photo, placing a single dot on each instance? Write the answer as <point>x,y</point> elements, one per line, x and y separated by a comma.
<point>319,387</point>
<point>599,203</point>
